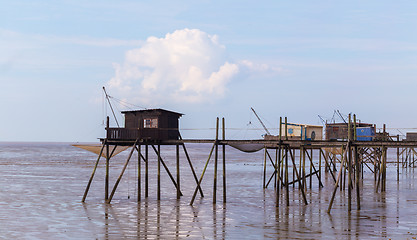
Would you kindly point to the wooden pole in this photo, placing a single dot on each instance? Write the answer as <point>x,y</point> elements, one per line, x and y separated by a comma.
<point>146,171</point>
<point>224,161</point>
<point>339,176</point>
<point>177,148</point>
<point>286,131</point>
<point>94,171</point>
<point>191,166</point>
<point>106,183</point>
<point>320,151</point>
<point>398,160</point>
<point>139,174</point>
<point>277,165</point>
<point>159,173</point>
<point>358,197</point>
<point>287,193</point>
<point>216,153</point>
<point>349,169</point>
<point>121,174</point>
<point>202,175</point>
<point>265,149</point>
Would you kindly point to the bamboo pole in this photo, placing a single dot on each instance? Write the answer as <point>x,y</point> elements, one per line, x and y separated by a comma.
<point>94,171</point>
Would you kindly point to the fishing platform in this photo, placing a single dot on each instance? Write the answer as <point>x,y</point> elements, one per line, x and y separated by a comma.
<point>297,155</point>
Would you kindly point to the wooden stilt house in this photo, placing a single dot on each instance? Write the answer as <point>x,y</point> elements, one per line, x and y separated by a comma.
<point>149,124</point>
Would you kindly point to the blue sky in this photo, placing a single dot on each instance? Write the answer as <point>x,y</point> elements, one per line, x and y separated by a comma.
<point>205,59</point>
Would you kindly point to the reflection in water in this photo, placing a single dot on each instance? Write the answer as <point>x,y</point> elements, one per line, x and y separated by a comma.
<point>41,193</point>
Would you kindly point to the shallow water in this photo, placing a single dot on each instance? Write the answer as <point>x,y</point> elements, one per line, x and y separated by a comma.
<point>42,185</point>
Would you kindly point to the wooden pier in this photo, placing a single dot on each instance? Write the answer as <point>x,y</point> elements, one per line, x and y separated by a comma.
<point>295,163</point>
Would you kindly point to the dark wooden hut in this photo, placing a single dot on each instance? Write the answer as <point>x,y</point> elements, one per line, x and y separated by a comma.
<point>149,124</point>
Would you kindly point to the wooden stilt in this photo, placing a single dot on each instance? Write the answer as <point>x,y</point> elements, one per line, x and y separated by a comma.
<point>146,170</point>
<point>265,149</point>
<point>299,178</point>
<point>339,176</point>
<point>216,153</point>
<point>161,160</point>
<point>224,160</point>
<point>177,148</point>
<point>94,171</point>
<point>202,175</point>
<point>121,174</point>
<point>191,166</point>
<point>356,160</point>
<point>106,184</point>
<point>139,173</point>
<point>158,191</point>
<point>287,193</point>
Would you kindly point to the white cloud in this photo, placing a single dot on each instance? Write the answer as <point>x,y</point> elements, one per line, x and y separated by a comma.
<point>186,65</point>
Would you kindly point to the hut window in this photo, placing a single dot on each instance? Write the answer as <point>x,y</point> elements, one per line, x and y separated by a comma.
<point>150,123</point>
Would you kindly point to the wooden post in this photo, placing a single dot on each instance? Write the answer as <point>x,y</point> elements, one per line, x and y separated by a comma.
<point>286,131</point>
<point>355,137</point>
<point>311,167</point>
<point>224,161</point>
<point>339,176</point>
<point>191,166</point>
<point>277,165</point>
<point>202,175</point>
<point>398,159</point>
<point>265,166</point>
<point>106,184</point>
<point>216,153</point>
<point>121,174</point>
<point>159,173</point>
<point>304,170</point>
<point>349,176</point>
<point>146,170</point>
<point>287,193</point>
<point>94,171</point>
<point>139,174</point>
<point>320,166</point>
<point>350,169</point>
<point>358,197</point>
<point>177,148</point>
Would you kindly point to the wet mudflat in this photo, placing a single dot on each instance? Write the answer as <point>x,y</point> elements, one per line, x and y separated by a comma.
<point>41,186</point>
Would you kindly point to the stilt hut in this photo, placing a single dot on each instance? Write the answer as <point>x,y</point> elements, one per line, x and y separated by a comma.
<point>149,124</point>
